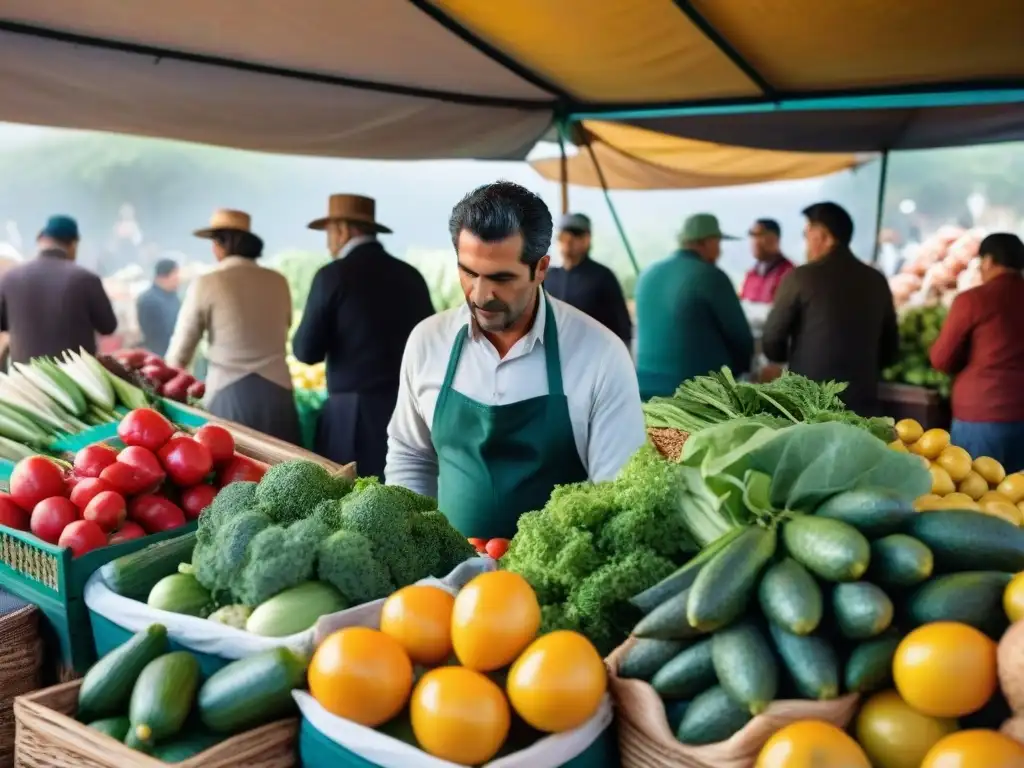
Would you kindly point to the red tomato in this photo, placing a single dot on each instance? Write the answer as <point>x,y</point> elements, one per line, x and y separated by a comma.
<point>146,472</point>
<point>93,459</point>
<point>127,532</point>
<point>51,516</point>
<point>497,548</point>
<point>82,536</point>
<point>218,440</point>
<point>240,469</point>
<point>187,461</point>
<point>11,514</point>
<point>155,513</point>
<point>34,479</point>
<point>197,498</point>
<point>86,489</point>
<point>145,428</point>
<point>107,509</point>
<point>480,545</point>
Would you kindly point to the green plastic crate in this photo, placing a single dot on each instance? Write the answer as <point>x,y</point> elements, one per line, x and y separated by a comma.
<point>109,636</point>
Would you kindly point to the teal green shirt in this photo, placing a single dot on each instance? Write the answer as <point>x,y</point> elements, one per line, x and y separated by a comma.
<point>689,322</point>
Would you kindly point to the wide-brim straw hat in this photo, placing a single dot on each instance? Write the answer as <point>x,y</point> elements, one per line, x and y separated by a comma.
<point>226,219</point>
<point>354,208</point>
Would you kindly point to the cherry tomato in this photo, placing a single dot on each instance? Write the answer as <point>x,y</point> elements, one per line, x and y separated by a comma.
<point>480,545</point>
<point>240,469</point>
<point>187,461</point>
<point>145,428</point>
<point>497,548</point>
<point>107,509</point>
<point>82,536</point>
<point>12,515</point>
<point>218,440</point>
<point>34,479</point>
<point>85,490</point>
<point>197,498</point>
<point>155,513</point>
<point>127,532</point>
<point>93,459</point>
<point>51,516</point>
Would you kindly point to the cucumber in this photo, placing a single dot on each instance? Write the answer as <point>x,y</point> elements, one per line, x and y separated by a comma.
<point>711,717</point>
<point>181,593</point>
<point>682,578</point>
<point>791,597</point>
<point>131,740</point>
<point>668,621</point>
<point>974,598</point>
<point>811,661</point>
<point>900,561</point>
<point>674,712</point>
<point>962,540</point>
<point>686,675</point>
<point>869,667</point>
<point>134,575</point>
<point>107,687</point>
<point>186,746</point>
<point>647,656</point>
<point>872,511</point>
<point>831,549</point>
<point>114,727</point>
<point>252,691</point>
<point>162,698</point>
<point>295,610</point>
<point>723,587</point>
<point>862,610</point>
<point>745,665</point>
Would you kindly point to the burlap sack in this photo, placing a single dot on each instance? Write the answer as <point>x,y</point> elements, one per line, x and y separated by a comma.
<point>645,740</point>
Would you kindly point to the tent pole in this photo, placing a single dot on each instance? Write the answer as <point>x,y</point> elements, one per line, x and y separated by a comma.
<point>611,207</point>
<point>883,177</point>
<point>564,169</point>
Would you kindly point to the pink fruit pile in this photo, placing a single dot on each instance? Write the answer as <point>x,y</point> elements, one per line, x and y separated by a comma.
<point>159,481</point>
<point>172,383</point>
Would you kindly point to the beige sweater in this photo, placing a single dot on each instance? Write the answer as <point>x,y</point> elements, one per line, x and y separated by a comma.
<point>245,312</point>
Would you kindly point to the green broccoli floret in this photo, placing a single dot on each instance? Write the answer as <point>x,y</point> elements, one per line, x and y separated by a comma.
<point>293,489</point>
<point>348,562</point>
<point>218,562</point>
<point>433,534</point>
<point>362,483</point>
<point>383,515</point>
<point>229,502</point>
<point>417,501</point>
<point>329,513</point>
<point>279,558</point>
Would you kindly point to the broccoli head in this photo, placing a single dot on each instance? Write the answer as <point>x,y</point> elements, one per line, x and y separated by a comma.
<point>433,534</point>
<point>329,513</point>
<point>217,562</point>
<point>279,558</point>
<point>383,515</point>
<point>230,500</point>
<point>293,489</point>
<point>348,562</point>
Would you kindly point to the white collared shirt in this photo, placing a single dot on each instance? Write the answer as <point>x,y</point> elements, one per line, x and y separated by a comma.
<point>597,373</point>
<point>354,243</point>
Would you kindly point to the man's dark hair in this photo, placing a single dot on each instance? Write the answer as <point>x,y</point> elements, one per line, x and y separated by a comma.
<point>769,225</point>
<point>832,217</point>
<point>1006,250</point>
<point>165,267</point>
<point>239,243</point>
<point>496,211</point>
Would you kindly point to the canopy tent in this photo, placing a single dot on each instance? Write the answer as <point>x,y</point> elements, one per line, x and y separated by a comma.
<point>464,78</point>
<point>623,157</point>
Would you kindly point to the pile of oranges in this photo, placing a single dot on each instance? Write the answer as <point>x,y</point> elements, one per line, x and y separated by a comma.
<point>464,665</point>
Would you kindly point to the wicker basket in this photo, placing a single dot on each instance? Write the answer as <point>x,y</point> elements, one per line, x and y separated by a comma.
<point>48,737</point>
<point>20,663</point>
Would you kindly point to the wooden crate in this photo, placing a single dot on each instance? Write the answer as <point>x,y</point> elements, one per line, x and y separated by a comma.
<point>923,405</point>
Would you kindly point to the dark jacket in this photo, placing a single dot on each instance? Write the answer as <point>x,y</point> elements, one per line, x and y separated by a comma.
<point>594,289</point>
<point>50,304</point>
<point>834,319</point>
<point>157,312</point>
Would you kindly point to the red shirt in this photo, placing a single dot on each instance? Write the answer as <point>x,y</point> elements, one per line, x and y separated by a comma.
<point>762,281</point>
<point>982,344</point>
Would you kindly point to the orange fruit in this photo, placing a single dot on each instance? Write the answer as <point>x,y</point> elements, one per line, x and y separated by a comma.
<point>459,715</point>
<point>896,736</point>
<point>810,744</point>
<point>495,616</point>
<point>932,655</point>
<point>362,675</point>
<point>420,618</point>
<point>975,749</point>
<point>558,682</point>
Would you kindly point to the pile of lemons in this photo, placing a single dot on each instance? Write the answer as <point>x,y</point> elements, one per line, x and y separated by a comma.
<point>958,480</point>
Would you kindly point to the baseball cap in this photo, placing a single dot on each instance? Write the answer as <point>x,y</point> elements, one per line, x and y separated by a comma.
<point>701,226</point>
<point>766,225</point>
<point>60,227</point>
<point>574,222</point>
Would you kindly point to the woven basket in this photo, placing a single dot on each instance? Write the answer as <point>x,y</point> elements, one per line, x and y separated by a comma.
<point>48,737</point>
<point>645,740</point>
<point>21,657</point>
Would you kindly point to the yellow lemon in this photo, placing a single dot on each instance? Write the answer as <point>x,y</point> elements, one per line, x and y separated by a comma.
<point>956,461</point>
<point>908,430</point>
<point>931,443</point>
<point>899,446</point>
<point>1013,487</point>
<point>974,485</point>
<point>928,501</point>
<point>990,469</point>
<point>1013,598</point>
<point>942,483</point>
<point>958,501</point>
<point>1003,509</point>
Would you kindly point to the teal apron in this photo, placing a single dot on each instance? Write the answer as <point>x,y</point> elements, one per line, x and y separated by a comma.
<point>496,462</point>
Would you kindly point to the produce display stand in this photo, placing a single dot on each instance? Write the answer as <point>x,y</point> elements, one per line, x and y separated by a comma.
<point>925,406</point>
<point>20,663</point>
<point>49,737</point>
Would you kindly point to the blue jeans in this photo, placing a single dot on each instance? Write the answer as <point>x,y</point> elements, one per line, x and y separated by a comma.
<point>1003,441</point>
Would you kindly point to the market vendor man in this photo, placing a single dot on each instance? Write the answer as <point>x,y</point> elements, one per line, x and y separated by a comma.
<point>514,393</point>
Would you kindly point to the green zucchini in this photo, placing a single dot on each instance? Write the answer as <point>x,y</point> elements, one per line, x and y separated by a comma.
<point>162,697</point>
<point>134,575</point>
<point>686,675</point>
<point>861,609</point>
<point>186,746</point>
<point>252,691</point>
<point>811,662</point>
<point>973,597</point>
<point>872,511</point>
<point>646,656</point>
<point>962,540</point>
<point>295,610</point>
<point>668,621</point>
<point>831,549</point>
<point>869,667</point>
<point>791,597</point>
<point>711,717</point>
<point>107,687</point>
<point>900,561</point>
<point>181,593</point>
<point>114,727</point>
<point>745,665</point>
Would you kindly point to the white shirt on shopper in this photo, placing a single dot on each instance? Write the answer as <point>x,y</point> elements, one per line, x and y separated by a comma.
<point>597,372</point>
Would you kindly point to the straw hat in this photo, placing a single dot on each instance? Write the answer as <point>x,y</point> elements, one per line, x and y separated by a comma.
<point>354,208</point>
<point>225,218</point>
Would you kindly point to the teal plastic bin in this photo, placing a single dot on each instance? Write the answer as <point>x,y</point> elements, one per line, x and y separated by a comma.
<point>107,636</point>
